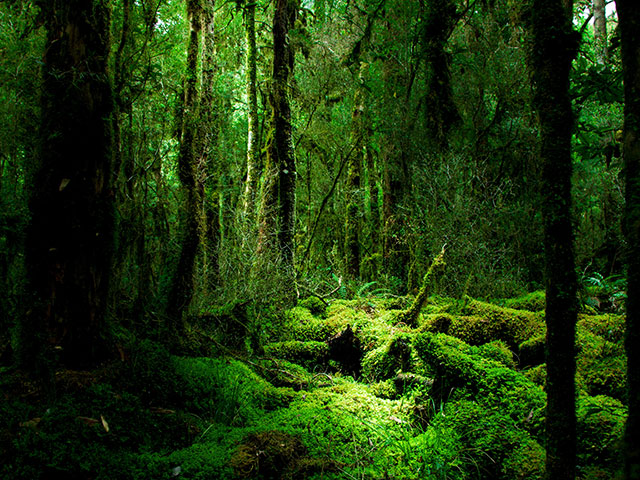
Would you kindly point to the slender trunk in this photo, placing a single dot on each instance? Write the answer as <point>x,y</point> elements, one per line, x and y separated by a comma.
<point>210,163</point>
<point>554,47</point>
<point>70,237</point>
<point>441,111</point>
<point>253,142</point>
<point>629,21</point>
<point>277,216</point>
<point>352,214</point>
<point>600,31</point>
<point>191,223</point>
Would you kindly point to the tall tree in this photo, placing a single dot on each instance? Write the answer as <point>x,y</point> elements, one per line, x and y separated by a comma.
<point>600,31</point>
<point>554,47</point>
<point>70,237</point>
<point>253,141</point>
<point>629,22</point>
<point>278,192</point>
<point>189,169</point>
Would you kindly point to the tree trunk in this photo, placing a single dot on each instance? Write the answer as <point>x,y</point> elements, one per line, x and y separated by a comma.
<point>600,31</point>
<point>277,213</point>
<point>354,168</point>
<point>70,237</point>
<point>629,22</point>
<point>191,222</point>
<point>441,111</point>
<point>253,141</point>
<point>554,47</point>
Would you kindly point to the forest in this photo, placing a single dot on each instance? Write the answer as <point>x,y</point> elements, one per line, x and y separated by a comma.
<point>319,239</point>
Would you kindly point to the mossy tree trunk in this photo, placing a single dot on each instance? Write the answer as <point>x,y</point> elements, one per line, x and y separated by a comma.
<point>277,211</point>
<point>554,47</point>
<point>191,221</point>
<point>253,140</point>
<point>69,243</point>
<point>354,168</point>
<point>395,175</point>
<point>440,109</point>
<point>629,22</point>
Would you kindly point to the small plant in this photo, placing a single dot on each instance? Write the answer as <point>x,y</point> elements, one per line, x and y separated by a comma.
<point>605,293</point>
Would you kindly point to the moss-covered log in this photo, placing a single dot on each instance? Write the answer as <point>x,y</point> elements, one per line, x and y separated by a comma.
<point>410,316</point>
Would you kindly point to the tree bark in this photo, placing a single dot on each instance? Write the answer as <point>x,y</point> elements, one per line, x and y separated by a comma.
<point>629,24</point>
<point>70,237</point>
<point>277,215</point>
<point>354,169</point>
<point>600,31</point>
<point>554,47</point>
<point>253,141</point>
<point>191,222</point>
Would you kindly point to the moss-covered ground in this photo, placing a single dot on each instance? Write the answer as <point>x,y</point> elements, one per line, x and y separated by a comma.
<point>459,395</point>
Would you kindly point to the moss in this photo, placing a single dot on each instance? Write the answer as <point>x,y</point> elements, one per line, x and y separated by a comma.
<point>610,327</point>
<point>484,322</point>
<point>314,304</point>
<point>275,454</point>
<point>531,351</point>
<point>537,374</point>
<point>600,432</point>
<point>307,354</point>
<point>385,361</point>
<point>493,443</point>
<point>301,324</point>
<point>600,364</point>
<point>498,351</point>
<point>460,366</point>
<point>532,302</point>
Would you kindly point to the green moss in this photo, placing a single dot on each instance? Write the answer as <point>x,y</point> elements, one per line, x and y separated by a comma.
<point>532,302</point>
<point>314,304</point>
<point>307,354</point>
<point>600,364</point>
<point>494,445</point>
<point>531,352</point>
<point>600,431</point>
<point>610,327</point>
<point>485,322</point>
<point>498,351</point>
<point>385,361</point>
<point>460,366</point>
<point>301,324</point>
<point>537,374</point>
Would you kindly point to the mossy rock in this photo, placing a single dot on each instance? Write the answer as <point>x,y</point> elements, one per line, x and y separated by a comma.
<point>601,364</point>
<point>307,354</point>
<point>537,374</point>
<point>600,428</point>
<point>301,324</point>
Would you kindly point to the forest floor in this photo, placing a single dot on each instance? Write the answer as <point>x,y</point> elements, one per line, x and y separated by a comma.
<point>333,390</point>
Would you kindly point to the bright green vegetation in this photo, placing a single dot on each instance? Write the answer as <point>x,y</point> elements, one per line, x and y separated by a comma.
<point>430,402</point>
